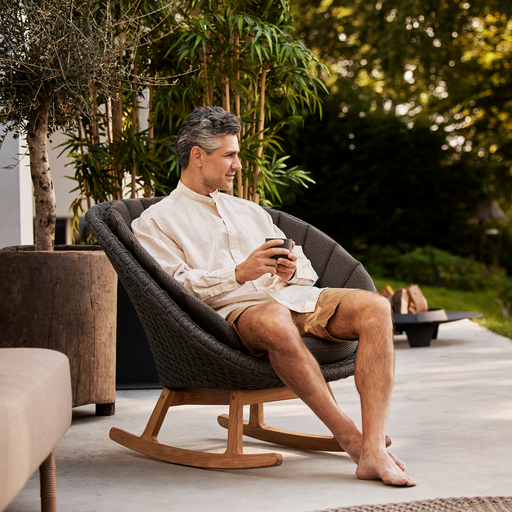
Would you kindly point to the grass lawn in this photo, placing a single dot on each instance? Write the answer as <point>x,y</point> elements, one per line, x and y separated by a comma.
<point>482,301</point>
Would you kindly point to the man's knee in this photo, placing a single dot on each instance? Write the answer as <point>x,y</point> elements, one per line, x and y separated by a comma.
<point>376,313</point>
<point>364,309</point>
<point>271,324</point>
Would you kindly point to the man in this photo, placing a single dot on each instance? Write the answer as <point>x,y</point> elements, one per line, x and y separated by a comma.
<point>214,244</point>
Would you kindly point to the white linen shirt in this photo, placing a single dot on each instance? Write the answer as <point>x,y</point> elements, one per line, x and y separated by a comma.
<point>199,240</point>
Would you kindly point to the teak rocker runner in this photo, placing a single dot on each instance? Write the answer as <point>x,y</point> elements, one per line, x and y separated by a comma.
<point>197,354</point>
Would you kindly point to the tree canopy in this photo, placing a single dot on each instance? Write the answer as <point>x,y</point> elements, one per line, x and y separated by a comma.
<point>445,63</point>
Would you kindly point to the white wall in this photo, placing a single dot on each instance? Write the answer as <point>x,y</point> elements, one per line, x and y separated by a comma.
<point>61,184</point>
<point>16,197</point>
<point>16,190</point>
<point>64,185</point>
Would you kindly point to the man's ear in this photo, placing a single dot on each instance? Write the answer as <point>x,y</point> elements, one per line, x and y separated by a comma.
<point>197,156</point>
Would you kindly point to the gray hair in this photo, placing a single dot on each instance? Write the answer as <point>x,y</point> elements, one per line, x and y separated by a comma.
<point>203,128</point>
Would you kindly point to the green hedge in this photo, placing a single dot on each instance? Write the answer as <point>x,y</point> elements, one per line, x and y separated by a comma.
<point>434,267</point>
<point>428,265</point>
<point>505,294</point>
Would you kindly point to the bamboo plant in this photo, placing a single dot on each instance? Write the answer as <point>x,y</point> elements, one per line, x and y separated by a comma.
<point>111,155</point>
<point>238,54</point>
<point>243,57</point>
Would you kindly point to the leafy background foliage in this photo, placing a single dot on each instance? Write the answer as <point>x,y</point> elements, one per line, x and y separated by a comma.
<point>239,54</point>
<point>442,69</point>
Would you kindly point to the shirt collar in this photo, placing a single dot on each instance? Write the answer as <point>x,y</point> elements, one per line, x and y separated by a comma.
<point>187,192</point>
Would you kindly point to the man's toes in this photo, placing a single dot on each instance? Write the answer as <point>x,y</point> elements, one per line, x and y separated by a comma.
<point>403,480</point>
<point>410,482</point>
<point>397,461</point>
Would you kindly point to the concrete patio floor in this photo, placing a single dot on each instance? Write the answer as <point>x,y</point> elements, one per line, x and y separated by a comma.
<point>450,420</point>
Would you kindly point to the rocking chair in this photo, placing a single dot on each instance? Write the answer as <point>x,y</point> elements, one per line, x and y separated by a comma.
<point>197,353</point>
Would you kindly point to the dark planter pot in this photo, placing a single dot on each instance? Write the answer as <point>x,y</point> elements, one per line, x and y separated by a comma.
<point>65,300</point>
<point>136,367</point>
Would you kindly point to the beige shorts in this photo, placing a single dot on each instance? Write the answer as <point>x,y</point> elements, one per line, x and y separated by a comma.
<point>309,324</point>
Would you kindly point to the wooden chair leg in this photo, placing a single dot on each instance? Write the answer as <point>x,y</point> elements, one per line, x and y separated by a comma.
<point>256,428</point>
<point>232,458</point>
<point>47,484</point>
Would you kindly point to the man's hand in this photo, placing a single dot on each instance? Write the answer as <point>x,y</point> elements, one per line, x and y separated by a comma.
<point>260,263</point>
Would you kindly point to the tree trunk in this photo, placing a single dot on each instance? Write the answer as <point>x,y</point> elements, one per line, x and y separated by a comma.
<point>41,177</point>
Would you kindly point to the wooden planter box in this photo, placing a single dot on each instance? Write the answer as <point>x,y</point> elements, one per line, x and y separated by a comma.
<point>64,300</point>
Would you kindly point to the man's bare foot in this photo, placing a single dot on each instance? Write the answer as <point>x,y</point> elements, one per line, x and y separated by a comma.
<point>383,466</point>
<point>353,448</point>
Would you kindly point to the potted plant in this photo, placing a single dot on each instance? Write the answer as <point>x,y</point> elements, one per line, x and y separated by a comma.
<point>56,56</point>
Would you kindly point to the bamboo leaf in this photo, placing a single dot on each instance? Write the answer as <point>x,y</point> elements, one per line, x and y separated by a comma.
<point>257,47</point>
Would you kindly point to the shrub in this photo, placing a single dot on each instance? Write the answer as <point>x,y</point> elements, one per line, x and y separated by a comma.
<point>381,260</point>
<point>505,294</point>
<point>431,266</point>
<point>428,264</point>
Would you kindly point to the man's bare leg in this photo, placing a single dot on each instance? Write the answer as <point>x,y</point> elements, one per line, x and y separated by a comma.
<point>368,316</point>
<point>269,327</point>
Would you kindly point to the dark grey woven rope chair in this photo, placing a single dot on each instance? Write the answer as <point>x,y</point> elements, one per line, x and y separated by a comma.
<point>198,355</point>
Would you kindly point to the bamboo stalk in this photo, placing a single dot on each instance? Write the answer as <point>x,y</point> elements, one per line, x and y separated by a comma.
<point>261,127</point>
<point>227,108</point>
<point>117,115</point>
<point>134,128</point>
<point>95,129</point>
<point>108,106</point>
<point>239,189</point>
<point>255,104</point>
<point>237,96</point>
<point>95,135</point>
<point>237,111</point>
<point>205,67</point>
<point>148,190</point>
<point>151,116</point>
<point>148,187</point>
<point>134,91</point>
<point>210,87</point>
<point>227,95</point>
<point>246,189</point>
<point>82,158</point>
<point>117,127</point>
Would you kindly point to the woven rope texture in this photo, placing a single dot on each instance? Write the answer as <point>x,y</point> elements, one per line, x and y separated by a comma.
<point>478,504</point>
<point>191,344</point>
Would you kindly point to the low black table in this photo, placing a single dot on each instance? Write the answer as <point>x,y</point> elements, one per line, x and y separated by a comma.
<point>423,327</point>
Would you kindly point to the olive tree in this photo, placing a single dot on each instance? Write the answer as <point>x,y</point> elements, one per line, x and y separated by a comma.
<point>56,56</point>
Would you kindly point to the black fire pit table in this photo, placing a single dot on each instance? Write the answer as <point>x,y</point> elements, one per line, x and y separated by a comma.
<point>422,327</point>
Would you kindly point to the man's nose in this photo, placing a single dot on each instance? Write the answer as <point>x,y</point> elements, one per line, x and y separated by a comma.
<point>236,163</point>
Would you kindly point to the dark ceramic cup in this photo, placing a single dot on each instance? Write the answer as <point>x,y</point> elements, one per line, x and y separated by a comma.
<point>287,244</point>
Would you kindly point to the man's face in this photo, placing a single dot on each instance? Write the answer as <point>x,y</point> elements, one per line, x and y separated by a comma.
<point>219,167</point>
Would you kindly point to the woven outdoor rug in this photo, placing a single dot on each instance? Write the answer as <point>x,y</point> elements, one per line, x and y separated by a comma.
<point>478,504</point>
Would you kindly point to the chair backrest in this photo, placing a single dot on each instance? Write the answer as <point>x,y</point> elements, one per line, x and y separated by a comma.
<point>177,324</point>
<point>335,267</point>
<point>122,213</point>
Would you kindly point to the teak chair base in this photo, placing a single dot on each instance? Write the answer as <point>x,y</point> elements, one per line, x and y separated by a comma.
<point>233,457</point>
